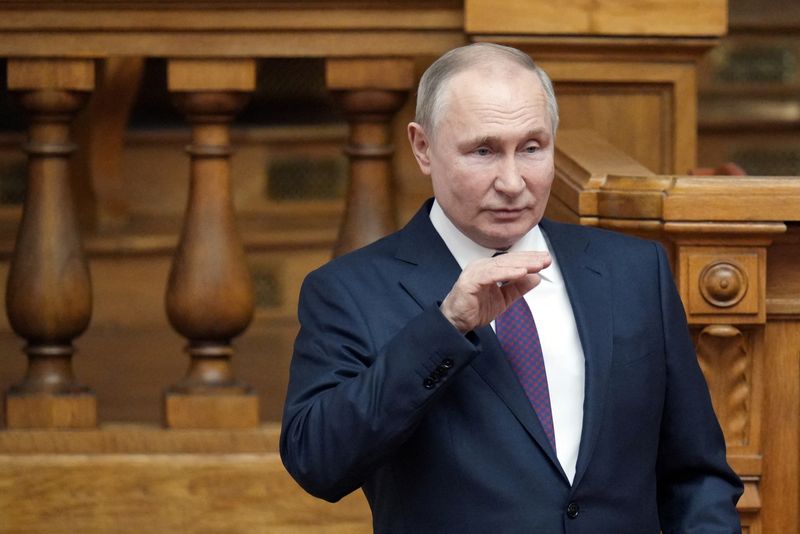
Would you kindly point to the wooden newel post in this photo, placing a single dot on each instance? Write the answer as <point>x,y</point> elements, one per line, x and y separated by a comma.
<point>370,91</point>
<point>722,276</point>
<point>209,297</point>
<point>48,295</point>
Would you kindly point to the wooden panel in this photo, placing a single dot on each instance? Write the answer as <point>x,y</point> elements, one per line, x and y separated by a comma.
<point>781,439</point>
<point>646,108</point>
<point>597,17</point>
<point>629,117</point>
<point>166,493</point>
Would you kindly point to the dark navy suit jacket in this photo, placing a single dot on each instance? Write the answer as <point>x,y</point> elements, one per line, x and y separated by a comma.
<point>468,455</point>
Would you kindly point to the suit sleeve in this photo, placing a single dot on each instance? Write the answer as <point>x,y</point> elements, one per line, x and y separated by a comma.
<point>697,490</point>
<point>350,403</point>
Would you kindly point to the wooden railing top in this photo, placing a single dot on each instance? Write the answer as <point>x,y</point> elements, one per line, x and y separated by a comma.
<point>229,29</point>
<point>326,28</point>
<point>597,182</point>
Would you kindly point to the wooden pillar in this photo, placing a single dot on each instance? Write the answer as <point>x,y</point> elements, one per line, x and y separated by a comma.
<point>370,92</point>
<point>721,271</point>
<point>209,297</point>
<point>48,295</point>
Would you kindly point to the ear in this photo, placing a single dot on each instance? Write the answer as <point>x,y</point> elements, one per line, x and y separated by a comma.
<point>420,146</point>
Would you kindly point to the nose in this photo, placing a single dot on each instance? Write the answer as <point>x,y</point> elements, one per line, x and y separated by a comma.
<point>509,181</point>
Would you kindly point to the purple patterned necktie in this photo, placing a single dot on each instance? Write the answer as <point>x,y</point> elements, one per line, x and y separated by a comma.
<point>517,334</point>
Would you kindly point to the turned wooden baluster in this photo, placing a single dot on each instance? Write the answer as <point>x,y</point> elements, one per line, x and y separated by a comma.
<point>209,297</point>
<point>48,295</point>
<point>370,91</point>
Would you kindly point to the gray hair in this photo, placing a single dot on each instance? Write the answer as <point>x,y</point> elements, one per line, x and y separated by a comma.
<point>434,80</point>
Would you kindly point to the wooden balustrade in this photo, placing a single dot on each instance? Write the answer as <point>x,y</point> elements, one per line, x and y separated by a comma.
<point>370,91</point>
<point>210,296</point>
<point>49,296</point>
<point>733,243</point>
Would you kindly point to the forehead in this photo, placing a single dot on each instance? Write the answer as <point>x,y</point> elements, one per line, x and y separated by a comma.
<point>484,97</point>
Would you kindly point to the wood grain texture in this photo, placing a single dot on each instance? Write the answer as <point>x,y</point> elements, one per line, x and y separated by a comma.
<point>781,481</point>
<point>286,29</point>
<point>165,493</point>
<point>211,75</point>
<point>43,410</point>
<point>370,93</point>
<point>597,17</point>
<point>119,438</point>
<point>391,74</point>
<point>69,74</point>
<point>201,410</point>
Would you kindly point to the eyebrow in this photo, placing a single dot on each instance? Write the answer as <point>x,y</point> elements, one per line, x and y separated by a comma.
<point>492,140</point>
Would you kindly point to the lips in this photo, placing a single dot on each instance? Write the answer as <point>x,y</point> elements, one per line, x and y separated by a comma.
<point>507,213</point>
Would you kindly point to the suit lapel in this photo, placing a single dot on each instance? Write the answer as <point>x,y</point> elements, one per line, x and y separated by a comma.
<point>589,288</point>
<point>437,269</point>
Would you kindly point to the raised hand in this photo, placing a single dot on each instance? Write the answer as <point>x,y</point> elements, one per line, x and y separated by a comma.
<point>488,286</point>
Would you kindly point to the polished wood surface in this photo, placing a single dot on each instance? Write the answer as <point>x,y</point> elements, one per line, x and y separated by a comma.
<point>209,296</point>
<point>604,17</point>
<point>49,295</point>
<point>140,479</point>
<point>370,92</point>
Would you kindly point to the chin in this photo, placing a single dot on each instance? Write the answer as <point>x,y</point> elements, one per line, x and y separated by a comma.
<point>498,241</point>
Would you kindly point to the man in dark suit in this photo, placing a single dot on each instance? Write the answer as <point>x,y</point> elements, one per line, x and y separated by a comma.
<point>487,370</point>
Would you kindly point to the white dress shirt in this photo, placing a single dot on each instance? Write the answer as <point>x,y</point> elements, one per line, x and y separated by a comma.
<point>558,333</point>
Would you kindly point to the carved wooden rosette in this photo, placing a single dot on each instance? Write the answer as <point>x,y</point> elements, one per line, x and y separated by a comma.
<point>209,297</point>
<point>48,295</point>
<point>370,91</point>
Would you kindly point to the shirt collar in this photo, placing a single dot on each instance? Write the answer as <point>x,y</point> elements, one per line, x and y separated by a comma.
<point>465,250</point>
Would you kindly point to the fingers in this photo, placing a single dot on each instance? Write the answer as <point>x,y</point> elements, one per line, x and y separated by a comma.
<point>516,289</point>
<point>488,286</point>
<point>532,262</point>
<point>507,268</point>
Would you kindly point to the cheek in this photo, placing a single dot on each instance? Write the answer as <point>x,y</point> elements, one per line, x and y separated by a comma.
<point>463,183</point>
<point>540,179</point>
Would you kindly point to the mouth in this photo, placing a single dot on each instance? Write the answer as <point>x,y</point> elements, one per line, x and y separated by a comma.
<point>507,213</point>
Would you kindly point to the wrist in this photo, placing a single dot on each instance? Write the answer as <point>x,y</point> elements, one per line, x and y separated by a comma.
<point>459,324</point>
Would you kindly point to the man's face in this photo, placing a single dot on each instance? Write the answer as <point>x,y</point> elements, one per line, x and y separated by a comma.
<point>490,157</point>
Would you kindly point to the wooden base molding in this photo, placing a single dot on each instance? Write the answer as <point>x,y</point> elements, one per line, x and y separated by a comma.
<point>166,493</point>
<point>212,411</point>
<point>142,478</point>
<point>45,410</point>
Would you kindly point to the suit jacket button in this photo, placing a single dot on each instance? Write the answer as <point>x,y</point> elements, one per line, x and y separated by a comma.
<point>572,510</point>
<point>447,363</point>
<point>429,383</point>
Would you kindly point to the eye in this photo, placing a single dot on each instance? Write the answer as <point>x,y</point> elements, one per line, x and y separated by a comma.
<point>531,149</point>
<point>482,151</point>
